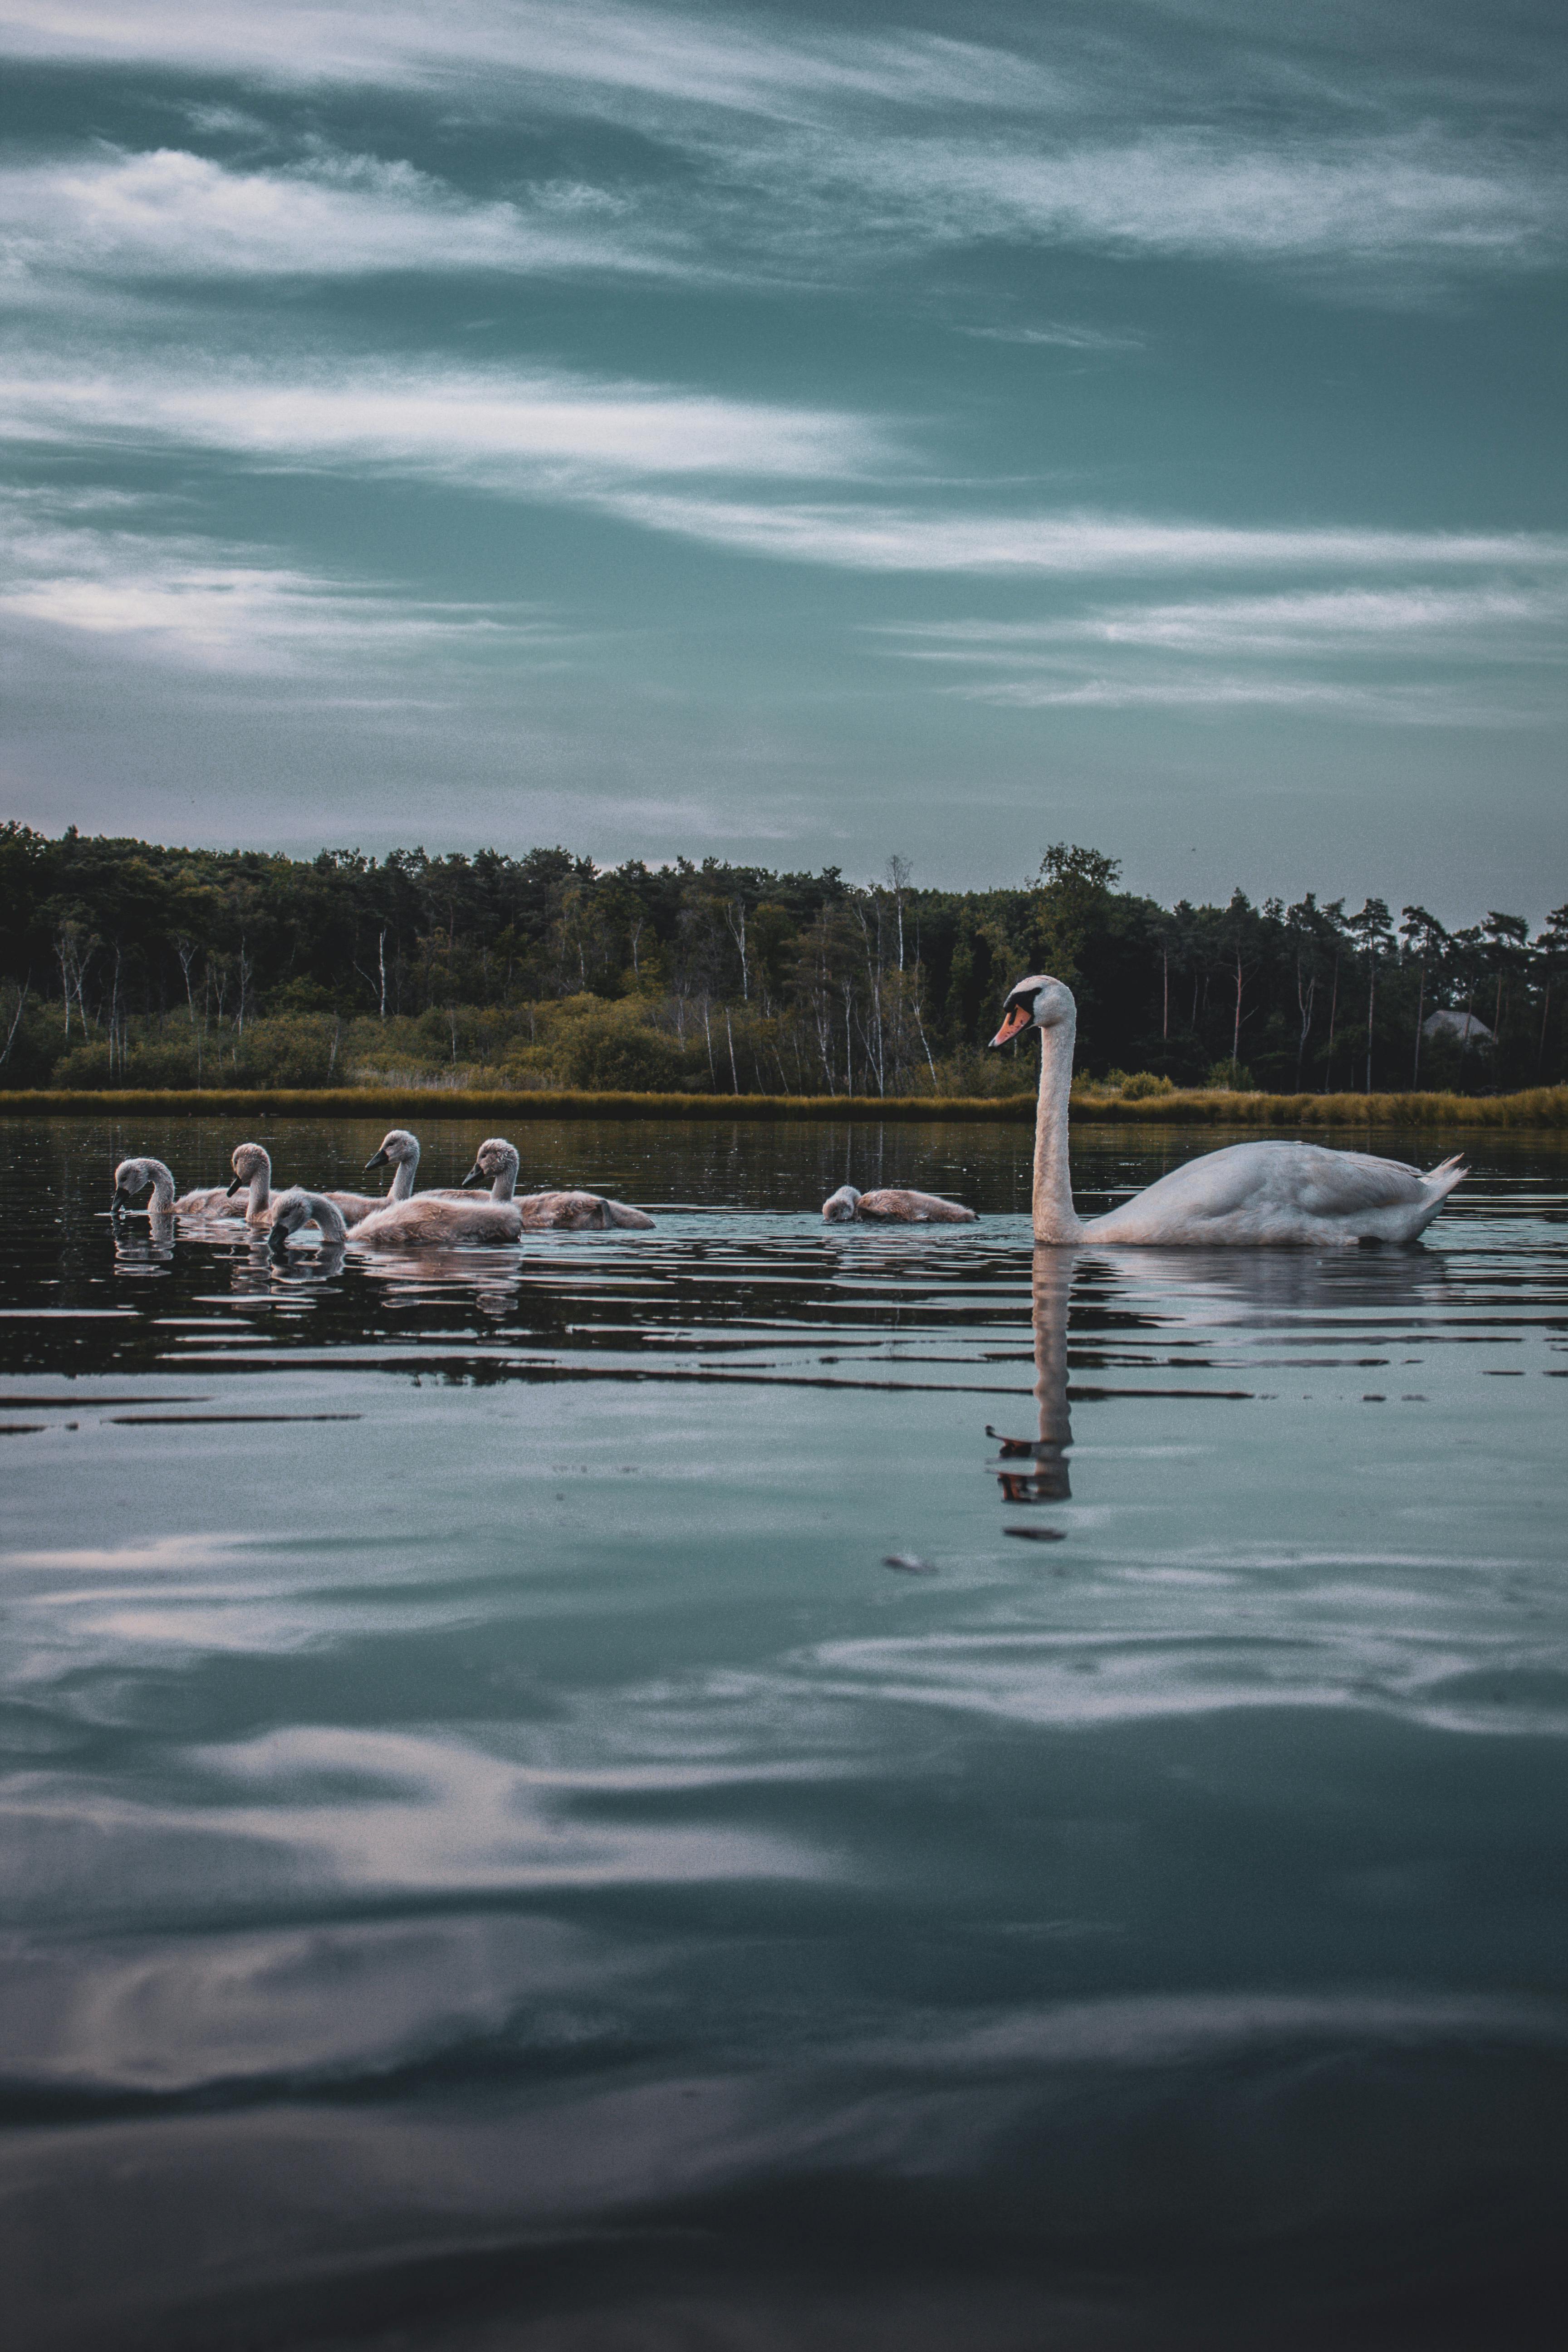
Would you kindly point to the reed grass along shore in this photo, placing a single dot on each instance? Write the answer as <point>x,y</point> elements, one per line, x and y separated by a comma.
<point>1540,1107</point>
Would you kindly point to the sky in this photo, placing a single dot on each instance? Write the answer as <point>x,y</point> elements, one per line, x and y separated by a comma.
<point>795,436</point>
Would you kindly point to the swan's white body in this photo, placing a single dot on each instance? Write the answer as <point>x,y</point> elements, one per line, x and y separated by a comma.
<point>895,1204</point>
<point>1253,1195</point>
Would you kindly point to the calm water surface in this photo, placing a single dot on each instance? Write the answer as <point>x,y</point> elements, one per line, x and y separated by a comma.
<point>495,1855</point>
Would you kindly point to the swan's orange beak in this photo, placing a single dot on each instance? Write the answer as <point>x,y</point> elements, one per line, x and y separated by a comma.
<point>1016,1018</point>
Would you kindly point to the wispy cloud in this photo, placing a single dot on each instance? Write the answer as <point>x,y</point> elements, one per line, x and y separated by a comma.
<point>1407,654</point>
<point>1061,334</point>
<point>1212,192</point>
<point>685,56</point>
<point>1413,620</point>
<point>869,537</point>
<point>805,146</point>
<point>528,433</point>
<point>170,214</point>
<point>79,566</point>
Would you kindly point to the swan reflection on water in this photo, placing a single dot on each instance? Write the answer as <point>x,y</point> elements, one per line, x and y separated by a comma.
<point>143,1250</point>
<point>490,1278</point>
<point>1135,1301</point>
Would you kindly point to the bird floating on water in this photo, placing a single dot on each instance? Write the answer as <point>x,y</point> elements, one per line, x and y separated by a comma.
<point>1248,1194</point>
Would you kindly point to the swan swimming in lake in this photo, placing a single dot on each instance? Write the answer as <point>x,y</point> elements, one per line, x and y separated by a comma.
<point>133,1176</point>
<point>895,1204</point>
<point>1254,1194</point>
<point>400,1224</point>
<point>252,1165</point>
<point>403,1151</point>
<point>496,1163</point>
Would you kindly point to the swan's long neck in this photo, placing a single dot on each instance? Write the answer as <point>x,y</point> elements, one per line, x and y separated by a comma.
<point>260,1194</point>
<point>1055,1219</point>
<point>327,1217</point>
<point>505,1185</point>
<point>162,1187</point>
<point>403,1177</point>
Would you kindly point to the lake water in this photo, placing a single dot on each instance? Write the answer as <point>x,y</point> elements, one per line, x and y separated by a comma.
<point>495,1857</point>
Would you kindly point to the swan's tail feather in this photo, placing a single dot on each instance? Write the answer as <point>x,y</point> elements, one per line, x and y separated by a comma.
<point>1443,1178</point>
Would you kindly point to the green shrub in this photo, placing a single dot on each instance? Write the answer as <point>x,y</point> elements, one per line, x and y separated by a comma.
<point>615,1048</point>
<point>286,1050</point>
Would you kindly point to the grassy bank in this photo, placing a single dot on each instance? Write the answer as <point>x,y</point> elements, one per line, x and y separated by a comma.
<point>1536,1107</point>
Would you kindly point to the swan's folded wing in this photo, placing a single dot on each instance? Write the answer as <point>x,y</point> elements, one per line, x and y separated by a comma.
<point>1344,1183</point>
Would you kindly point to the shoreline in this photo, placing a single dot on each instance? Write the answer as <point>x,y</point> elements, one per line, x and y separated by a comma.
<point>1543,1109</point>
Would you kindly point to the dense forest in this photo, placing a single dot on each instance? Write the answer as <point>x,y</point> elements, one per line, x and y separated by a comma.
<point>126,964</point>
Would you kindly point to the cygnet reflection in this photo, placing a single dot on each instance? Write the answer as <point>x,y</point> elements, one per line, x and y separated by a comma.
<point>143,1250</point>
<point>491,1278</point>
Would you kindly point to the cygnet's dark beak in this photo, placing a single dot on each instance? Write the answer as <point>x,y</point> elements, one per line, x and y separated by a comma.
<point>1016,1017</point>
<point>380,1161</point>
<point>120,1204</point>
<point>278,1242</point>
<point>476,1175</point>
<point>237,1186</point>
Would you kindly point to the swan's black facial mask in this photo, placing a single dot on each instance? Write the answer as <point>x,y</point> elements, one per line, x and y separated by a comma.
<point>1016,1015</point>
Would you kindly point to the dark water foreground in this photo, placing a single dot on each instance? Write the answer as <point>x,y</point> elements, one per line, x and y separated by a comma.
<point>492,1856</point>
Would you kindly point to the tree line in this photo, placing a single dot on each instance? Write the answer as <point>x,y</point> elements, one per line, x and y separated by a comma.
<point>127,963</point>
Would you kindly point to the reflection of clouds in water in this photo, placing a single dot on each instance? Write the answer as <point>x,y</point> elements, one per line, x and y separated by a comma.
<point>358,1810</point>
<point>326,1999</point>
<point>155,1555</point>
<point>1498,1684</point>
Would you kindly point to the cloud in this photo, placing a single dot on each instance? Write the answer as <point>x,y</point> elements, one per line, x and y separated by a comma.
<point>1214,195</point>
<point>582,44</point>
<point>172,214</point>
<point>1359,651</point>
<point>808,146</point>
<point>1414,706</point>
<point>1059,334</point>
<point>888,538</point>
<point>201,603</point>
<point>527,434</point>
<point>1307,623</point>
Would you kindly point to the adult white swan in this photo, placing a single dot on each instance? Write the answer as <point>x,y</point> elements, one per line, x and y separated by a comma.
<point>894,1204</point>
<point>1248,1194</point>
<point>402,1225</point>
